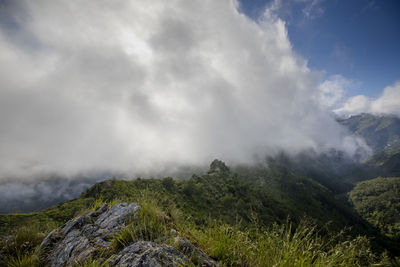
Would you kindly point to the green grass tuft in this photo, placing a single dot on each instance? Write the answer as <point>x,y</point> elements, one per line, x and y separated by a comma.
<point>94,263</point>
<point>22,260</point>
<point>280,245</point>
<point>151,223</point>
<point>19,249</point>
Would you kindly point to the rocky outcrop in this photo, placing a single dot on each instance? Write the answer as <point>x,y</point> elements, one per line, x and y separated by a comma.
<point>218,167</point>
<point>144,253</point>
<point>87,237</point>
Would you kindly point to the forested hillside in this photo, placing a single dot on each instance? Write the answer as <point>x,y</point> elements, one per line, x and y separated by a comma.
<point>378,201</point>
<point>235,217</point>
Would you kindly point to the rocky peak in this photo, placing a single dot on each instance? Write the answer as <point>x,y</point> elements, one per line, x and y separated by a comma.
<point>218,166</point>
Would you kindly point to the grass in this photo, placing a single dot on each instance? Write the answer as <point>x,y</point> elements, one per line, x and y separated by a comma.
<point>45,220</point>
<point>26,260</point>
<point>25,240</point>
<point>281,245</point>
<point>94,263</point>
<point>252,244</point>
<point>21,248</point>
<point>98,202</point>
<point>225,215</point>
<point>230,244</point>
<point>152,223</point>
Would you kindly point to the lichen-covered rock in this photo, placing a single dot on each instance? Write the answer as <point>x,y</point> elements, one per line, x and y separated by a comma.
<point>197,257</point>
<point>85,237</point>
<point>81,237</point>
<point>143,253</point>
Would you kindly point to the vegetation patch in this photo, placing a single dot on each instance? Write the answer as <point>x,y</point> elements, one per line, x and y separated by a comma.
<point>378,201</point>
<point>239,219</point>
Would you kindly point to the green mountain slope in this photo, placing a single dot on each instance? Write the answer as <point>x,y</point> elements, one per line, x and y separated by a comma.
<point>335,170</point>
<point>386,163</point>
<point>378,201</point>
<point>227,213</point>
<point>266,194</point>
<point>270,194</point>
<point>379,132</point>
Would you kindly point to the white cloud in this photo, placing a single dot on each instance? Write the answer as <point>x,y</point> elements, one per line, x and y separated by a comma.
<point>313,9</point>
<point>284,9</point>
<point>354,105</point>
<point>334,89</point>
<point>133,85</point>
<point>387,104</point>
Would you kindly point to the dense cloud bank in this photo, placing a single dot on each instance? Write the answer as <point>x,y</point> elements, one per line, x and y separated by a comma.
<point>136,85</point>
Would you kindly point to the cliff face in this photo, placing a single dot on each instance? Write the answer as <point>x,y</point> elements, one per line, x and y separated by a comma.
<point>89,237</point>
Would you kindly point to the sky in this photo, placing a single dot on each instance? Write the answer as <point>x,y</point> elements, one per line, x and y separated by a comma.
<point>358,40</point>
<point>139,86</point>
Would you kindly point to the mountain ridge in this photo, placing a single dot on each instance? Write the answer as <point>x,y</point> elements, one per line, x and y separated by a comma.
<point>379,132</point>
<point>251,198</point>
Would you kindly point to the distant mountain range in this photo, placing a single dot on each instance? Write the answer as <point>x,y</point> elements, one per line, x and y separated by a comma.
<point>379,132</point>
<point>382,135</point>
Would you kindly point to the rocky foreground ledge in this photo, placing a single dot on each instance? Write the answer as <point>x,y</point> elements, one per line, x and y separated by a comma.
<point>87,237</point>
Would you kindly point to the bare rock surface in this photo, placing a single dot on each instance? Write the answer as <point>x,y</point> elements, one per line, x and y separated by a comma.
<point>143,253</point>
<point>86,237</point>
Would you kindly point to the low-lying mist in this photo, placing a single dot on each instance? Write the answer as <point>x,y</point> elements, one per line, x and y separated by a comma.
<point>18,196</point>
<point>143,86</point>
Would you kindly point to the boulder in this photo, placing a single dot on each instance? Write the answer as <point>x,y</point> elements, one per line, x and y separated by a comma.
<point>87,237</point>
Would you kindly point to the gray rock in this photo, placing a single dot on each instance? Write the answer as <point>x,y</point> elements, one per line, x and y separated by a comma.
<point>196,256</point>
<point>81,237</point>
<point>116,216</point>
<point>86,237</point>
<point>144,253</point>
